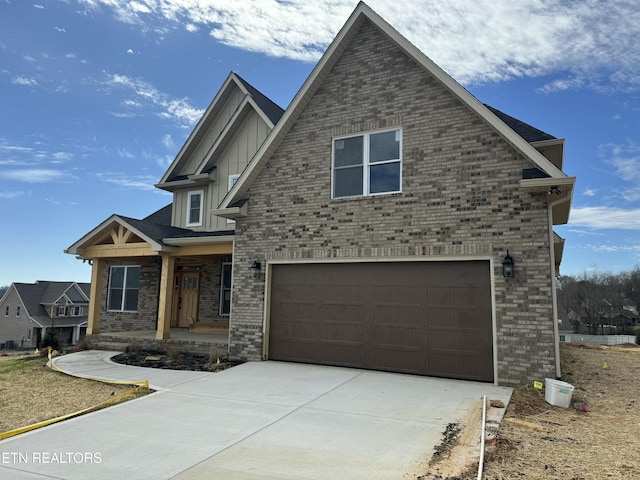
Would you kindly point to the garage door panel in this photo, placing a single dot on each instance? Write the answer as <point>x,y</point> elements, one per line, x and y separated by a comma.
<point>404,361</point>
<point>346,354</point>
<point>390,335</point>
<point>400,316</point>
<point>459,318</point>
<point>298,350</point>
<point>431,318</point>
<point>351,332</point>
<point>460,366</point>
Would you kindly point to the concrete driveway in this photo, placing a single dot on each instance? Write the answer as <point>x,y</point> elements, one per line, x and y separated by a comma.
<point>267,420</point>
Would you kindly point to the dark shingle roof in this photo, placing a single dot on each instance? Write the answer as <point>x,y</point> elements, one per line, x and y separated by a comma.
<point>35,295</point>
<point>162,216</point>
<point>270,108</point>
<point>155,231</point>
<point>526,131</point>
<point>158,226</point>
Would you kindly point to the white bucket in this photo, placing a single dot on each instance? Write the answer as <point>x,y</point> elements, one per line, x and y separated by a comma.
<point>558,393</point>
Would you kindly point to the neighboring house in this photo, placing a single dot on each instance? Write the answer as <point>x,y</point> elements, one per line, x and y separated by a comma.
<point>367,227</point>
<point>28,310</point>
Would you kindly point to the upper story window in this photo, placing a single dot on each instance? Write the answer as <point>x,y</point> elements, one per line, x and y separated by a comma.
<point>124,283</point>
<point>6,311</point>
<point>76,311</point>
<point>195,207</point>
<point>62,311</point>
<point>367,164</point>
<point>18,311</point>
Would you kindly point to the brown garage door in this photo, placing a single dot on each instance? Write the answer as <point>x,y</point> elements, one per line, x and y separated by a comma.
<point>429,318</point>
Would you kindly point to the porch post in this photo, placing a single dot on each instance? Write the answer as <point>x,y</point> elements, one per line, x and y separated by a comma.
<point>166,297</point>
<point>93,325</point>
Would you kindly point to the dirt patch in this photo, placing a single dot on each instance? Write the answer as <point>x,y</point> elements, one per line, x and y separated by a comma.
<point>597,437</point>
<point>176,360</point>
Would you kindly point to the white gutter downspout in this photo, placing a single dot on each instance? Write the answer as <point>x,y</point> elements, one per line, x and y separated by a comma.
<point>554,296</point>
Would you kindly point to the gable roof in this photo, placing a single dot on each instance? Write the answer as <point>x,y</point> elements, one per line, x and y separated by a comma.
<point>34,297</point>
<point>154,229</point>
<point>526,131</point>
<point>361,14</point>
<point>255,100</point>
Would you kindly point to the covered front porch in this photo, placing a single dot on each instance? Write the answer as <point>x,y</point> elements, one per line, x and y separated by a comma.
<point>152,280</point>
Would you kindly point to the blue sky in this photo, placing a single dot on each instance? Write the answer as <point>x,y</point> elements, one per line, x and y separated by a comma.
<point>97,97</point>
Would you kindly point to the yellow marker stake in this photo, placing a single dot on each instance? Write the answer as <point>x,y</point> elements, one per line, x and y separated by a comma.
<point>605,366</point>
<point>537,385</point>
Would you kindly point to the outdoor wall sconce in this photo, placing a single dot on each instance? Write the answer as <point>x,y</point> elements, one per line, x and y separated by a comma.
<point>255,268</point>
<point>507,266</point>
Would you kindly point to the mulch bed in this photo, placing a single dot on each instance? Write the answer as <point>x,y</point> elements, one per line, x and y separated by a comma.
<point>175,361</point>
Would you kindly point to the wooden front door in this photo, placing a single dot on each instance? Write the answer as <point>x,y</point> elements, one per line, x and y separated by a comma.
<point>186,298</point>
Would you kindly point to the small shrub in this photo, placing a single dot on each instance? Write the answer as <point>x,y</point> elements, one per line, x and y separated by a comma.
<point>83,344</point>
<point>173,353</point>
<point>134,350</point>
<point>51,340</point>
<point>217,353</point>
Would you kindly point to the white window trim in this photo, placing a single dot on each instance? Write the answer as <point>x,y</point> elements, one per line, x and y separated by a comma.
<point>222,291</point>
<point>124,288</point>
<point>231,182</point>
<point>200,216</point>
<point>62,311</point>
<point>73,311</point>
<point>365,163</point>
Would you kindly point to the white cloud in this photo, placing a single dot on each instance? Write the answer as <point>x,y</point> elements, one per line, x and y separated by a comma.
<point>589,192</point>
<point>178,110</point>
<point>129,51</point>
<point>13,194</point>
<point>124,153</point>
<point>33,175</point>
<point>61,157</point>
<point>26,81</point>
<point>585,44</point>
<point>167,141</point>
<point>605,218</point>
<point>625,159</point>
<point>138,183</point>
<point>60,29</point>
<point>41,7</point>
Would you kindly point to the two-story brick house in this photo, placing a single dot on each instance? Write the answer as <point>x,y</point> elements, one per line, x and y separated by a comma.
<point>388,220</point>
<point>28,310</point>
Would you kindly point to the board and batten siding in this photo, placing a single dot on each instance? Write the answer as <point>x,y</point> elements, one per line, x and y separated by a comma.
<point>232,161</point>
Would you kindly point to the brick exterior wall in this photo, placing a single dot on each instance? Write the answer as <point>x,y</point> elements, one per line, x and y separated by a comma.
<point>16,329</point>
<point>210,277</point>
<point>146,317</point>
<point>460,197</point>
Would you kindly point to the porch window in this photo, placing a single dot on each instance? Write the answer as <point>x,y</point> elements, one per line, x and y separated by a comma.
<point>124,283</point>
<point>62,311</point>
<point>195,206</point>
<point>225,289</point>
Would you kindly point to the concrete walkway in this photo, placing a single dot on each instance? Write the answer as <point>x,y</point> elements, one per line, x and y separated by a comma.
<point>266,420</point>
